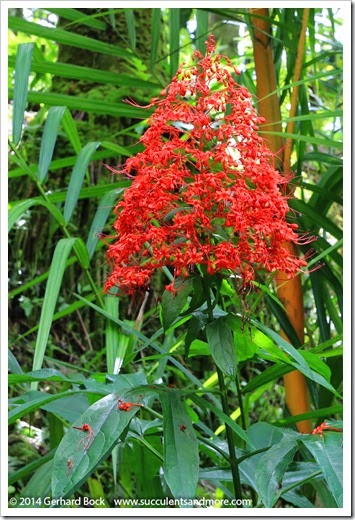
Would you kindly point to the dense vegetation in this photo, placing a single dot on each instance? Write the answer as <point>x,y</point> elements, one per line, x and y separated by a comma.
<point>209,389</point>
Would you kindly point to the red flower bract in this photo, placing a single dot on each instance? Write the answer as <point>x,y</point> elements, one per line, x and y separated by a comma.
<point>204,190</point>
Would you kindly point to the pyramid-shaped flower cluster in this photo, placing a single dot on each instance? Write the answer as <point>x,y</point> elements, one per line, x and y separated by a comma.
<point>205,190</point>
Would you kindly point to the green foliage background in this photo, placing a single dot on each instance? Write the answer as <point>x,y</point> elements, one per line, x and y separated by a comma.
<point>70,71</point>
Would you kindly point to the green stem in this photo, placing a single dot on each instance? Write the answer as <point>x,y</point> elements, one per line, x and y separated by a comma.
<point>225,407</point>
<point>240,402</point>
<point>230,441</point>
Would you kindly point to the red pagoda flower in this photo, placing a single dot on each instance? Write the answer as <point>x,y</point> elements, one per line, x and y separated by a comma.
<point>205,190</point>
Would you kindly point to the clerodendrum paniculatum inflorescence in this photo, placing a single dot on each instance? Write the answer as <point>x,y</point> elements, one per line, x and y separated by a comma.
<point>205,190</point>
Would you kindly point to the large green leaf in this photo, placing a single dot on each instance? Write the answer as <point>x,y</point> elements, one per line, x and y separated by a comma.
<point>80,452</point>
<point>220,341</point>
<point>270,470</point>
<point>22,73</point>
<point>328,452</point>
<point>181,459</point>
<point>173,302</point>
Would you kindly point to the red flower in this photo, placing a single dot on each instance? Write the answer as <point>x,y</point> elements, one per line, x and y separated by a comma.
<point>204,191</point>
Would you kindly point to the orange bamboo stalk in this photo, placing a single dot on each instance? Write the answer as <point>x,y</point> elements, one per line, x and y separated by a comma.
<point>289,291</point>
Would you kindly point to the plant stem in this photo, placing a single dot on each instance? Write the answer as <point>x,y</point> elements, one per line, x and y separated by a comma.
<point>225,407</point>
<point>230,441</point>
<point>240,402</point>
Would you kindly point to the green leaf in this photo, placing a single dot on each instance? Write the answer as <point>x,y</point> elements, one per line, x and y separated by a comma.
<point>70,128</point>
<point>13,364</point>
<point>270,471</point>
<point>204,403</point>
<point>100,218</point>
<point>45,374</point>
<point>54,282</point>
<point>181,459</point>
<point>199,348</point>
<point>86,105</point>
<point>114,337</point>
<point>49,138</point>
<point>22,73</point>
<point>19,209</point>
<point>107,423</point>
<point>295,358</point>
<point>220,341</point>
<point>21,473</point>
<point>131,28</point>
<point>316,218</point>
<point>201,29</point>
<point>327,143</point>
<point>174,39</point>
<point>173,303</point>
<point>155,36</point>
<point>70,71</point>
<point>327,451</point>
<point>77,177</point>
<point>245,346</point>
<point>21,410</point>
<point>79,17</point>
<point>68,38</point>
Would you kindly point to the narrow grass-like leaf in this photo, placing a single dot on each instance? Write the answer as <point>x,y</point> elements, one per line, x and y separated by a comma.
<point>316,218</point>
<point>155,36</point>
<point>297,359</point>
<point>318,288</point>
<point>314,414</point>
<point>174,38</point>
<point>21,410</point>
<point>181,459</point>
<point>204,403</point>
<point>128,329</point>
<point>29,469</point>
<point>326,143</point>
<point>67,38</point>
<point>112,336</point>
<point>13,364</point>
<point>76,179</point>
<point>70,128</point>
<point>131,28</point>
<point>58,264</point>
<point>87,105</point>
<point>70,71</point>
<point>78,16</point>
<point>19,209</point>
<point>269,374</point>
<point>201,29</point>
<point>120,150</point>
<point>283,320</point>
<point>100,218</point>
<point>44,374</point>
<point>48,141</point>
<point>22,73</point>
<point>82,253</point>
